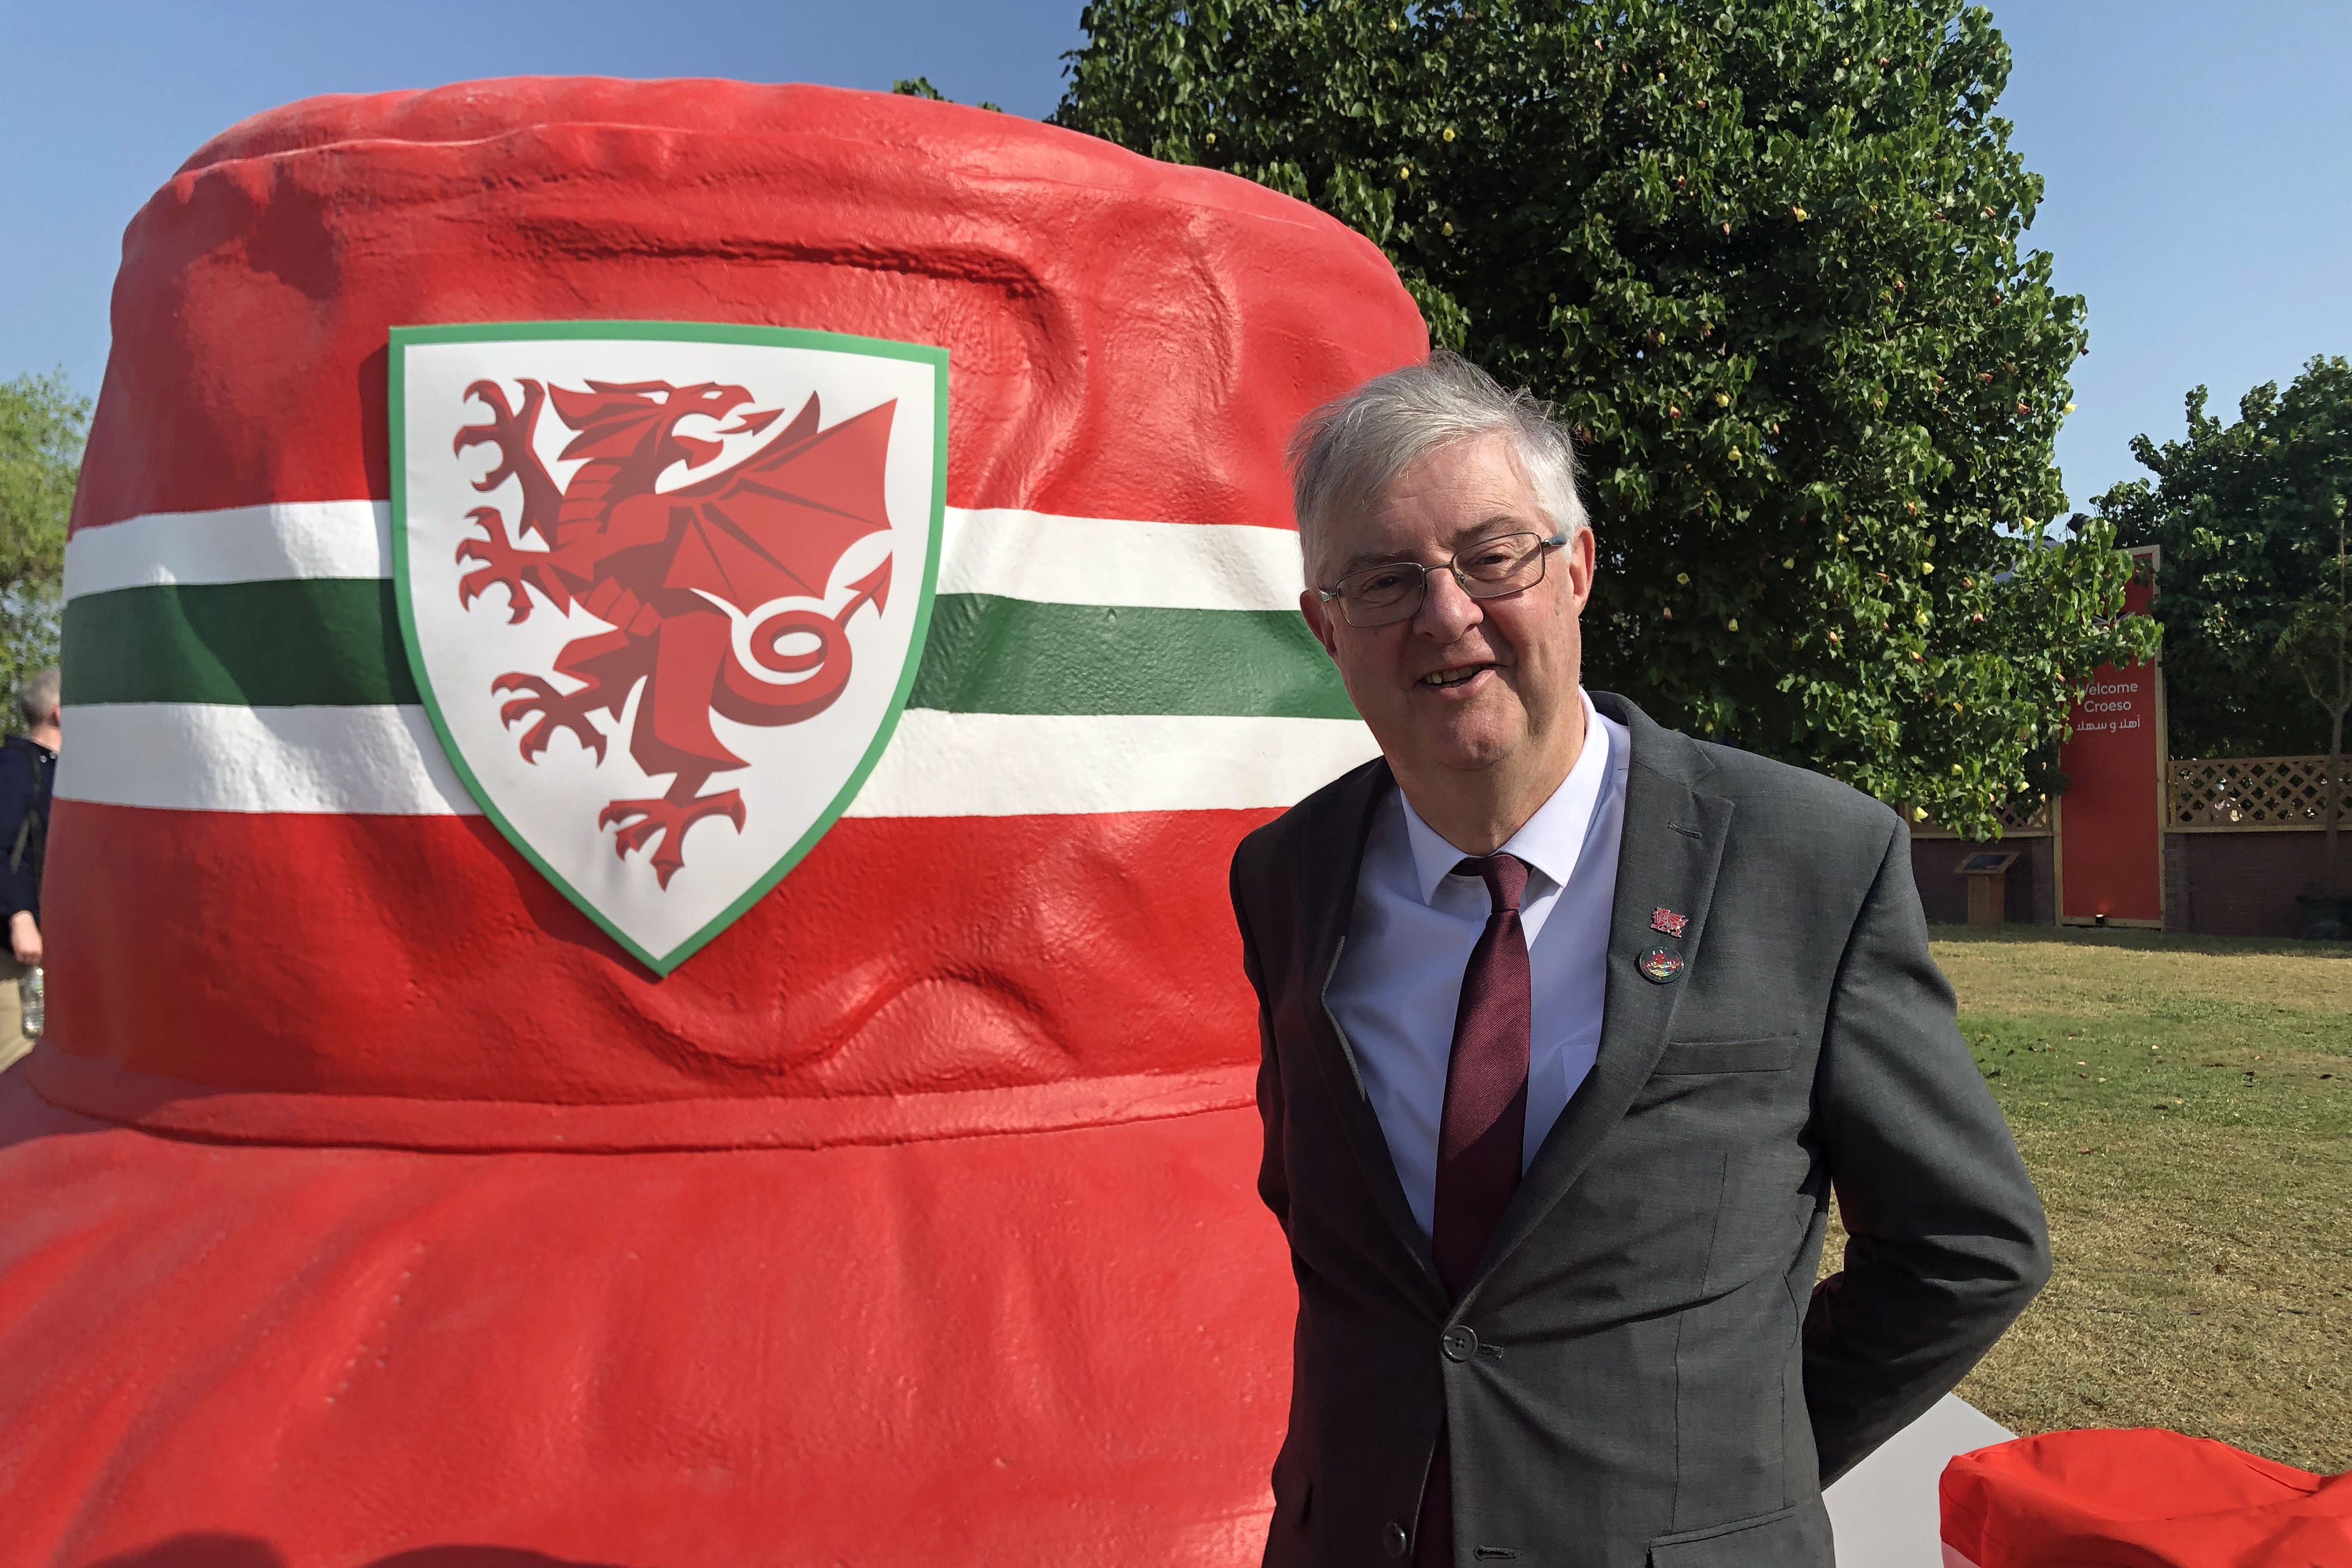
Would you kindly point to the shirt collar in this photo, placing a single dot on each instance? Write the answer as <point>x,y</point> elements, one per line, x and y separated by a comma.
<point>1549,842</point>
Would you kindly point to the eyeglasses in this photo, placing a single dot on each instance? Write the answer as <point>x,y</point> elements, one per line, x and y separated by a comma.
<point>1393,591</point>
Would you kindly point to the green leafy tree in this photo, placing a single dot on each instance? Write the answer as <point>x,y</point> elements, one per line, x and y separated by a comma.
<point>2248,514</point>
<point>42,425</point>
<point>920,87</point>
<point>2317,649</point>
<point>1764,256</point>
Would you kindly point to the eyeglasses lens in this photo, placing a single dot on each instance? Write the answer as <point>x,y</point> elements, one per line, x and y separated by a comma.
<point>1381,595</point>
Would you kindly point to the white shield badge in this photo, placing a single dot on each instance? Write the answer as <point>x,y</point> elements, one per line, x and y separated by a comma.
<point>663,587</point>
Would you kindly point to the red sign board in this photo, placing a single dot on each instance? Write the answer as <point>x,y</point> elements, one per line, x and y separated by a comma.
<point>2111,819</point>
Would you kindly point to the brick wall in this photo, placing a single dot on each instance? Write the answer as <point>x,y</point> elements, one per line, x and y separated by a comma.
<point>2240,884</point>
<point>2215,884</point>
<point>2028,891</point>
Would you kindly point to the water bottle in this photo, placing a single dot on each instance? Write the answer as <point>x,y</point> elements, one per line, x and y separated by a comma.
<point>36,1008</point>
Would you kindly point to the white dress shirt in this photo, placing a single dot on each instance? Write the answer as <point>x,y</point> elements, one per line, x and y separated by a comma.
<point>1399,976</point>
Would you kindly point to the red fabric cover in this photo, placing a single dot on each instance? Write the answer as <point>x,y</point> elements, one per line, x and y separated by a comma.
<point>1067,1348</point>
<point>1127,340</point>
<point>2141,1499</point>
<point>377,1205</point>
<point>437,973</point>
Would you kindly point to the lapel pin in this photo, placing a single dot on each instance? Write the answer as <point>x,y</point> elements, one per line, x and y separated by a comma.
<point>1660,964</point>
<point>1666,921</point>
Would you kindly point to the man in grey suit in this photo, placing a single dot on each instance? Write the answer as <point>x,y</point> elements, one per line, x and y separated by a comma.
<point>1570,1026</point>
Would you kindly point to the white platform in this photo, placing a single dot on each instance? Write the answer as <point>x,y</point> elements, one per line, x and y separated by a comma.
<point>1885,1510</point>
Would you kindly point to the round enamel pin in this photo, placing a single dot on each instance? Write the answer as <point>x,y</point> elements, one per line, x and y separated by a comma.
<point>1660,964</point>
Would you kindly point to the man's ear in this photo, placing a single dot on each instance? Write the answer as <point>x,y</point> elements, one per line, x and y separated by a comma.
<point>1579,557</point>
<point>1318,620</point>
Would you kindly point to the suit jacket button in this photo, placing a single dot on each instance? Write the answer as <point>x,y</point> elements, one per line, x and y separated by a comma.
<point>1460,1342</point>
<point>1394,1540</point>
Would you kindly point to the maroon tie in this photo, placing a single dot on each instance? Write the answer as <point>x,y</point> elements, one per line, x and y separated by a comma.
<point>1479,1135</point>
<point>1486,1117</point>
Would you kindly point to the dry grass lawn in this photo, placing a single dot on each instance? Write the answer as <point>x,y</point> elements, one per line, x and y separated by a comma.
<point>2186,1107</point>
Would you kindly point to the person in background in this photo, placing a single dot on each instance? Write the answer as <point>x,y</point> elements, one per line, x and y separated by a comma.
<point>28,764</point>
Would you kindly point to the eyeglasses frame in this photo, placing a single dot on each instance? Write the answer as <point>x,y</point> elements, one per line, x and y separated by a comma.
<point>1544,547</point>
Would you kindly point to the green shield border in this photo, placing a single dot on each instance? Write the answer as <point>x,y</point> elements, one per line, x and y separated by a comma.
<point>666,332</point>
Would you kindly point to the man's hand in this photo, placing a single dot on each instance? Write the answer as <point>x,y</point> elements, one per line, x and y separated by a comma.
<point>25,938</point>
<point>1945,1239</point>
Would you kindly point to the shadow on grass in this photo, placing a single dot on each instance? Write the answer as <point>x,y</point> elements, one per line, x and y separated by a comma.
<point>2140,940</point>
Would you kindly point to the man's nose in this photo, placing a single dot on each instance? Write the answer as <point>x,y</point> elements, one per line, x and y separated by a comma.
<point>1446,612</point>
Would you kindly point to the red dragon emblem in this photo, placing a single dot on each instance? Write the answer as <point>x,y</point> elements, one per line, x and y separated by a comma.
<point>662,570</point>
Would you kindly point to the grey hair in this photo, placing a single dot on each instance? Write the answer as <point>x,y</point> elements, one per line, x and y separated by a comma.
<point>1347,453</point>
<point>37,699</point>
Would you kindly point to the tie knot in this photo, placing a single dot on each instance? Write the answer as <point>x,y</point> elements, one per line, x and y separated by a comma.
<point>1505,876</point>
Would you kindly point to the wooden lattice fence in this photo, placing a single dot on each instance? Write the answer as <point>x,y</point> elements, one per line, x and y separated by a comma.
<point>2021,818</point>
<point>2238,794</point>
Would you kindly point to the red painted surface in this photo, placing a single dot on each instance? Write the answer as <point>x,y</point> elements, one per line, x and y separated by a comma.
<point>887,964</point>
<point>1066,1349</point>
<point>376,1202</point>
<point>2139,1499</point>
<point>2111,843</point>
<point>1125,338</point>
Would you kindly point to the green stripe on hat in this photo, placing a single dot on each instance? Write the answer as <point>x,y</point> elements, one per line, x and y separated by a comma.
<point>988,655</point>
<point>335,642</point>
<point>297,642</point>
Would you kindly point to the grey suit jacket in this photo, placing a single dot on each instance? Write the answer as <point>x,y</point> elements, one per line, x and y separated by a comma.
<point>1644,1371</point>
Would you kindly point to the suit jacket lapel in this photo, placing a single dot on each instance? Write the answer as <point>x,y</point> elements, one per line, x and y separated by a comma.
<point>1327,881</point>
<point>1673,842</point>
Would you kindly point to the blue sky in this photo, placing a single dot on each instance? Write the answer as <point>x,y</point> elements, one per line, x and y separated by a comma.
<point>2198,155</point>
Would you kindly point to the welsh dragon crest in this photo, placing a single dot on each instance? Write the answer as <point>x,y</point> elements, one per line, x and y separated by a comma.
<point>676,573</point>
<point>655,575</point>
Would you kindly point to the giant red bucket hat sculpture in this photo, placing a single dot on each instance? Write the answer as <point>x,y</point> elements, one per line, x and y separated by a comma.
<point>491,1099</point>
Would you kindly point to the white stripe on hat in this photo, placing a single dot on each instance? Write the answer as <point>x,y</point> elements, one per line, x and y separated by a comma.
<point>241,544</point>
<point>1101,560</point>
<point>1010,554</point>
<point>374,761</point>
<point>386,760</point>
<point>1022,764</point>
